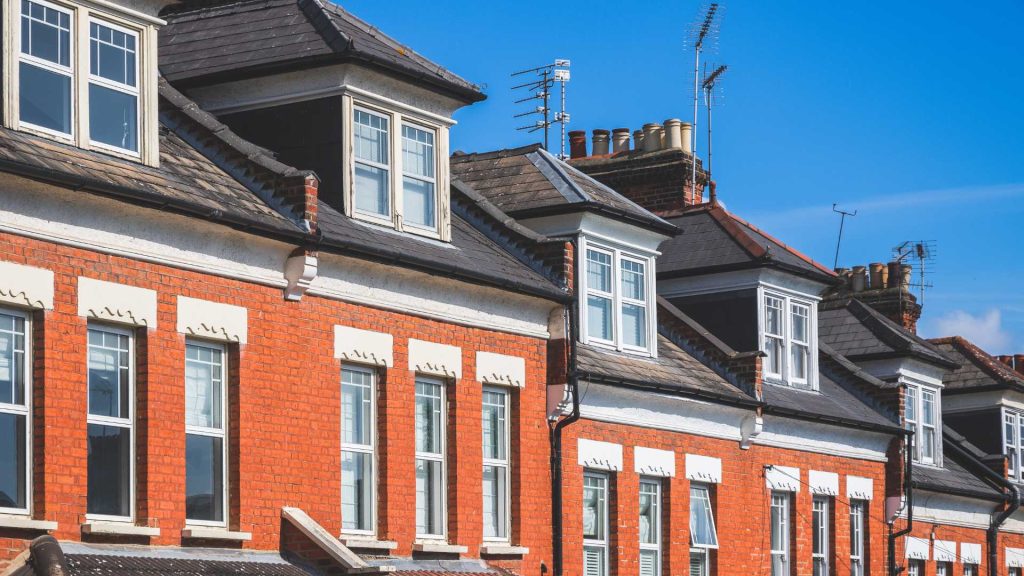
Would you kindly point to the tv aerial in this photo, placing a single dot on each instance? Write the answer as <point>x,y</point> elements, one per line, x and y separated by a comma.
<point>703,35</point>
<point>540,89</point>
<point>923,253</point>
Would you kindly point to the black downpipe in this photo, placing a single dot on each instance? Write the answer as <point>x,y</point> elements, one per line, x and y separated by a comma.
<point>908,488</point>
<point>572,382</point>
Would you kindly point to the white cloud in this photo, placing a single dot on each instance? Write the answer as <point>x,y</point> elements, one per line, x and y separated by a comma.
<point>984,330</point>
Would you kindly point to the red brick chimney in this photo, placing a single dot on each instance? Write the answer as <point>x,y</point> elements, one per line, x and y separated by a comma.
<point>886,289</point>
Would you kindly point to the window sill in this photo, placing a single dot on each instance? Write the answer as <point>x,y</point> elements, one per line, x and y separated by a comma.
<point>98,528</point>
<point>203,533</point>
<point>366,543</point>
<point>26,523</point>
<point>439,547</point>
<point>503,550</point>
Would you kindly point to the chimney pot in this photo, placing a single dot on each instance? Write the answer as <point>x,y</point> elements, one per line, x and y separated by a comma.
<point>879,275</point>
<point>620,140</point>
<point>895,274</point>
<point>652,137</point>
<point>858,279</point>
<point>906,271</point>
<point>1018,363</point>
<point>638,140</point>
<point>673,133</point>
<point>1005,359</point>
<point>686,134</point>
<point>577,144</point>
<point>600,142</point>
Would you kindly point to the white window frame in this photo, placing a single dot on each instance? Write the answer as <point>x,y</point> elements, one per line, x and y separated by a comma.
<point>440,456</point>
<point>915,567</point>
<point>789,300</point>
<point>915,393</point>
<point>943,568</point>
<point>23,410</point>
<point>1013,448</point>
<point>618,255</point>
<point>858,515</point>
<point>117,422</point>
<point>970,569</point>
<point>504,465</point>
<point>783,501</point>
<point>398,116</point>
<point>820,515</point>
<point>82,13</point>
<point>655,483</point>
<point>135,91</point>
<point>600,545</point>
<point>215,433</point>
<point>370,449</point>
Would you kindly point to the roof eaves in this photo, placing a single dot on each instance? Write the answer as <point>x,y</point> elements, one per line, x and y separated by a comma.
<point>790,249</point>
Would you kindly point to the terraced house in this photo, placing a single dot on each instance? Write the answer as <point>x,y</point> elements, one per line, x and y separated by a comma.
<point>258,317</point>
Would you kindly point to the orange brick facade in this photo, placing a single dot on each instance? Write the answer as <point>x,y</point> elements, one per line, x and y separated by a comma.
<point>284,404</point>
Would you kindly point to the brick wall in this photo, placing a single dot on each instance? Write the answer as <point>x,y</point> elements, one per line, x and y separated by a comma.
<point>659,181</point>
<point>284,411</point>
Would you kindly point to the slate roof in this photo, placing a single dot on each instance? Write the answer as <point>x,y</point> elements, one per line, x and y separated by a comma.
<point>528,181</point>
<point>205,41</point>
<point>859,332</point>
<point>978,370</point>
<point>103,565</point>
<point>714,240</point>
<point>954,476</point>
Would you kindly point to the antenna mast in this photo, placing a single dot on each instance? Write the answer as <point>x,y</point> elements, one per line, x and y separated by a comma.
<point>700,35</point>
<point>923,252</point>
<point>709,86</point>
<point>842,220</point>
<point>541,88</point>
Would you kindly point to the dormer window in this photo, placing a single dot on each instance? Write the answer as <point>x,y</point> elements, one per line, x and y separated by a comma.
<point>922,417</point>
<point>1013,443</point>
<point>81,76</point>
<point>618,310</point>
<point>397,173</point>
<point>788,337</point>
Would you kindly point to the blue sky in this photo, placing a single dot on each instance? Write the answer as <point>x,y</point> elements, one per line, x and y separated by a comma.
<point>909,113</point>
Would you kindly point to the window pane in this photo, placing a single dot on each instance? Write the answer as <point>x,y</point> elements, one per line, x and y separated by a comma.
<point>45,98</point>
<point>418,151</point>
<point>928,407</point>
<point>593,508</point>
<point>634,325</point>
<point>773,316</point>
<point>599,271</point>
<point>495,500</point>
<point>798,361</point>
<point>356,490</point>
<point>45,33</point>
<point>109,490</point>
<point>494,425</point>
<point>911,405</point>
<point>204,478</point>
<point>418,202</point>
<point>702,521</point>
<point>356,407</point>
<point>633,280</point>
<point>649,519</point>
<point>108,374</point>
<point>372,190</point>
<point>110,54</point>
<point>773,362</point>
<point>599,317</point>
<point>799,316</point>
<point>928,443</point>
<point>13,461</point>
<point>371,137</point>
<point>203,387</point>
<point>112,117</point>
<point>429,497</point>
<point>428,417</point>
<point>12,360</point>
<point>819,536</point>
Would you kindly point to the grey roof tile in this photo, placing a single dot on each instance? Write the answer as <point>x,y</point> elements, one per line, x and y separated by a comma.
<point>977,368</point>
<point>859,332</point>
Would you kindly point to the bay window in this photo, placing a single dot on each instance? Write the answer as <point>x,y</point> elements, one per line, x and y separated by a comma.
<point>650,527</point>
<point>1013,442</point>
<point>780,533</point>
<point>619,306</point>
<point>595,524</point>
<point>820,535</point>
<point>858,515</point>
<point>15,402</point>
<point>205,434</point>
<point>703,536</point>
<point>496,464</point>
<point>430,458</point>
<point>111,419</point>
<point>921,416</point>
<point>358,439</point>
<point>788,340</point>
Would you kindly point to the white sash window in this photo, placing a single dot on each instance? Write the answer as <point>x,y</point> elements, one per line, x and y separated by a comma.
<point>15,413</point>
<point>358,457</point>
<point>111,419</point>
<point>595,524</point>
<point>431,475</point>
<point>780,533</point>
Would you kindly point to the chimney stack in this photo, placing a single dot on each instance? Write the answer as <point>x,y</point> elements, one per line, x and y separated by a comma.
<point>620,140</point>
<point>1018,363</point>
<point>578,144</point>
<point>600,142</point>
<point>886,288</point>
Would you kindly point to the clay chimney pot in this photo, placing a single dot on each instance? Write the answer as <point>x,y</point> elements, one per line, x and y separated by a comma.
<point>600,142</point>
<point>620,140</point>
<point>577,144</point>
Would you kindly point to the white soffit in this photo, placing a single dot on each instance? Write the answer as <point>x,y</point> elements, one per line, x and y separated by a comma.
<point>654,462</point>
<point>435,359</point>
<point>500,369</point>
<point>823,483</point>
<point>860,488</point>
<point>917,548</point>
<point>116,302</point>
<point>945,551</point>
<point>970,553</point>
<point>1015,557</point>
<point>703,469</point>
<point>213,320</point>
<point>364,346</point>
<point>599,455</point>
<point>783,478</point>
<point>26,286</point>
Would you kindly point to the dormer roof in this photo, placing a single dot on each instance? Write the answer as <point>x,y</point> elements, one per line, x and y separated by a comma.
<point>206,42</point>
<point>530,182</point>
<point>715,240</point>
<point>977,370</point>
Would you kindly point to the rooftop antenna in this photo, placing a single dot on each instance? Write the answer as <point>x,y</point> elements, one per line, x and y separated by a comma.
<point>709,86</point>
<point>842,220</point>
<point>705,31</point>
<point>540,87</point>
<point>923,252</point>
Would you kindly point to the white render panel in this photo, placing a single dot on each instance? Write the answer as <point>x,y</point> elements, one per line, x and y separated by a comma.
<point>945,551</point>
<point>860,488</point>
<point>213,320</point>
<point>823,439</point>
<point>654,462</point>
<point>824,483</point>
<point>26,286</point>
<point>436,359</point>
<point>970,553</point>
<point>1015,557</point>
<point>500,369</point>
<point>784,478</point>
<point>703,468</point>
<point>952,510</point>
<point>917,548</point>
<point>116,302</point>
<point>599,455</point>
<point>365,346</point>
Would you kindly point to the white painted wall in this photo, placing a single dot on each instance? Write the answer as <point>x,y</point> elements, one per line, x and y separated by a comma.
<point>951,510</point>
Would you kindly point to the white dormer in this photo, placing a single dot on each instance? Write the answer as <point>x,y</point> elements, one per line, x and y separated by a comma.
<point>83,73</point>
<point>788,333</point>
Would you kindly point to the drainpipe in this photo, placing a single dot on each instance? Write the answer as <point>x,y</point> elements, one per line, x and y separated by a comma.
<point>908,489</point>
<point>572,382</point>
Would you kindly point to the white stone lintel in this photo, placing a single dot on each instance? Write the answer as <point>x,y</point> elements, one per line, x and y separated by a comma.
<point>213,320</point>
<point>703,469</point>
<point>599,455</point>
<point>435,359</point>
<point>364,346</point>
<point>823,483</point>
<point>26,286</point>
<point>500,369</point>
<point>654,462</point>
<point>113,302</point>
